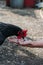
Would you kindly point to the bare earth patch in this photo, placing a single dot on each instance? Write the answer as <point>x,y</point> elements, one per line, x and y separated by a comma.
<point>30,19</point>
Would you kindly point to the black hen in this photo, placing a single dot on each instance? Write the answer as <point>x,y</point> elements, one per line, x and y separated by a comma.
<point>7,30</point>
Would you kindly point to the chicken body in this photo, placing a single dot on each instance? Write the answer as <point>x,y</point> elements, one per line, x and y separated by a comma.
<point>7,30</point>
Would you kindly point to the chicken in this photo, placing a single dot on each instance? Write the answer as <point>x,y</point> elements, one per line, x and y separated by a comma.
<point>7,30</point>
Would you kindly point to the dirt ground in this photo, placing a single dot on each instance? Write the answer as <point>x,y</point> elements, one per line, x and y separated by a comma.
<point>30,19</point>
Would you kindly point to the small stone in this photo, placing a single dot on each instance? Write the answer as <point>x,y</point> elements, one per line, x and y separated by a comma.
<point>8,61</point>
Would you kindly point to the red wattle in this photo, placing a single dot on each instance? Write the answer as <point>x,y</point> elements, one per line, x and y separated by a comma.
<point>22,34</point>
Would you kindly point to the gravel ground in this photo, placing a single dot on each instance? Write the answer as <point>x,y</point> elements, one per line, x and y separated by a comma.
<point>31,19</point>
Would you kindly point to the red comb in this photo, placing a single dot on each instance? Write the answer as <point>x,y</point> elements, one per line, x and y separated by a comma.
<point>21,34</point>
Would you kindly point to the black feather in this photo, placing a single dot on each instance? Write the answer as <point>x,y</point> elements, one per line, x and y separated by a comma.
<point>2,38</point>
<point>7,30</point>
